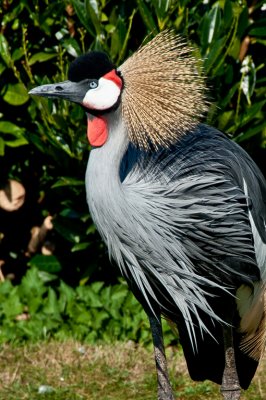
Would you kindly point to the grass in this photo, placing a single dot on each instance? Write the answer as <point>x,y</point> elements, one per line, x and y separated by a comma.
<point>71,371</point>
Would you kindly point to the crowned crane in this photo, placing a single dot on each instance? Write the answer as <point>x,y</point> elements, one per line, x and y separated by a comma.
<point>180,207</point>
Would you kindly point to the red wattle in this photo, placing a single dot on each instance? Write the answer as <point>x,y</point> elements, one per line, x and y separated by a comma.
<point>97,131</point>
<point>112,76</point>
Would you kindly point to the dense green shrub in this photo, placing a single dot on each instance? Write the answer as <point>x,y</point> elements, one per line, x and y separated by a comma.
<point>41,309</point>
<point>43,142</point>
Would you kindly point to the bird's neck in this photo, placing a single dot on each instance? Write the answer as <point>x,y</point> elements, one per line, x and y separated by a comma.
<point>103,184</point>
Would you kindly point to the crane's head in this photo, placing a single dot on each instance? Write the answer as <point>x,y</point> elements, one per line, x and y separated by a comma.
<point>160,89</point>
<point>94,83</point>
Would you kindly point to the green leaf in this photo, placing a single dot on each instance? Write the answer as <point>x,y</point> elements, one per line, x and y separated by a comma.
<point>226,100</point>
<point>235,48</point>
<point>16,94</point>
<point>213,56</point>
<point>93,15</point>
<point>46,277</point>
<point>82,15</point>
<point>41,57</point>
<point>248,80</point>
<point>67,294</point>
<point>224,119</point>
<point>2,67</point>
<point>214,20</point>
<point>45,263</point>
<point>72,47</point>
<point>80,246</point>
<point>5,289</point>
<point>228,13</point>
<point>4,50</point>
<point>2,147</point>
<point>161,7</point>
<point>12,306</point>
<point>16,142</point>
<point>97,286</point>
<point>259,31</point>
<point>243,19</point>
<point>254,130</point>
<point>68,181</point>
<point>251,112</point>
<point>51,306</point>
<point>147,17</point>
<point>210,26</point>
<point>127,36</point>
<point>17,54</point>
<point>32,286</point>
<point>71,230</point>
<point>9,127</point>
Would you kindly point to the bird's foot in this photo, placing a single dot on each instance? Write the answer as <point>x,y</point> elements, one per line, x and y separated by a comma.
<point>231,394</point>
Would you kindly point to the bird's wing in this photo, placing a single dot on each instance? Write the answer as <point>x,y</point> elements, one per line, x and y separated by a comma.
<point>207,155</point>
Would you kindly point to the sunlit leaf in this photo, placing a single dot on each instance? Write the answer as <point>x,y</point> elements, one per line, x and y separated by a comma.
<point>214,22</point>
<point>210,26</point>
<point>80,246</point>
<point>72,47</point>
<point>9,127</point>
<point>16,94</point>
<point>16,142</point>
<point>248,80</point>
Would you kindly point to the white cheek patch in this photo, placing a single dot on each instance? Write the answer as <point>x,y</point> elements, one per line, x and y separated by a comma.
<point>103,97</point>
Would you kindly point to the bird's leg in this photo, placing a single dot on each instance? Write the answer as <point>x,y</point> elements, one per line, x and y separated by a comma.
<point>164,387</point>
<point>230,387</point>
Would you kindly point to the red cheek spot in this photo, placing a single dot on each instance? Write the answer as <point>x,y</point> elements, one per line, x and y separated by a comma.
<point>97,131</point>
<point>112,76</point>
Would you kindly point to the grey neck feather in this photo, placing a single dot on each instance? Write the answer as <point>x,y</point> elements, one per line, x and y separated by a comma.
<point>103,184</point>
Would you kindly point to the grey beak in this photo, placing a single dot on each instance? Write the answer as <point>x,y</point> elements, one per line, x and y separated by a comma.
<point>67,90</point>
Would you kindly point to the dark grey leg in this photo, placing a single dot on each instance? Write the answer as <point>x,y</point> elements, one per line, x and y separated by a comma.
<point>164,387</point>
<point>230,387</point>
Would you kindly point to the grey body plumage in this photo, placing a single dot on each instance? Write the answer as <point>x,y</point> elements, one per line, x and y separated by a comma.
<point>181,208</point>
<point>177,218</point>
<point>177,224</point>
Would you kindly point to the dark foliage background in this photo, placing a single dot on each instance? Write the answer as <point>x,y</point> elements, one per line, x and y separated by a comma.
<point>43,143</point>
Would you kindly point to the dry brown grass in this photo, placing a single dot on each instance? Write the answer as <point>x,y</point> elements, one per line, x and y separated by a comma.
<point>121,371</point>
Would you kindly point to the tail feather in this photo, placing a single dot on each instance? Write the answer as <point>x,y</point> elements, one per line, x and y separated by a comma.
<point>252,311</point>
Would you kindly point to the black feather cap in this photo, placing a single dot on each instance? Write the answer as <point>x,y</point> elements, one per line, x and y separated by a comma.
<point>92,65</point>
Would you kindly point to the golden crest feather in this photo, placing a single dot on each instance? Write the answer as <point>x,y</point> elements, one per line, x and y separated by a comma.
<point>164,92</point>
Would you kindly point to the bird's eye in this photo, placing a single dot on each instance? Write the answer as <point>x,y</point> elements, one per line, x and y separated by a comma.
<point>93,84</point>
